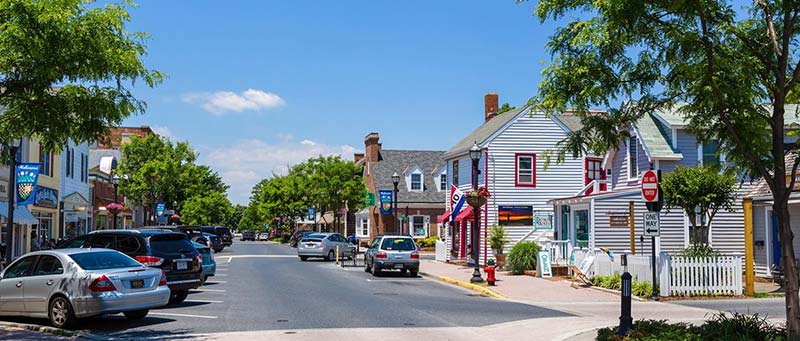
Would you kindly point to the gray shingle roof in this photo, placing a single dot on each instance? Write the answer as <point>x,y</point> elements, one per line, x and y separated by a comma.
<point>399,161</point>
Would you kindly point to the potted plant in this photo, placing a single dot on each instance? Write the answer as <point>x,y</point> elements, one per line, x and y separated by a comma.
<point>477,198</point>
<point>497,241</point>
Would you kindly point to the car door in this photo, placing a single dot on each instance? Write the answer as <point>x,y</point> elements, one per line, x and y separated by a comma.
<point>12,299</point>
<point>46,276</point>
<point>344,246</point>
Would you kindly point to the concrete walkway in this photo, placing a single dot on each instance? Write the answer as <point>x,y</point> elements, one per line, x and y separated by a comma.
<point>591,308</point>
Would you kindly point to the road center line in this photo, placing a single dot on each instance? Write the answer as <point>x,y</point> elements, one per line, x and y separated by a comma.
<point>183,315</point>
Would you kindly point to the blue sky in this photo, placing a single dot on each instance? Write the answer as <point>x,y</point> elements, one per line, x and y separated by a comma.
<point>256,86</point>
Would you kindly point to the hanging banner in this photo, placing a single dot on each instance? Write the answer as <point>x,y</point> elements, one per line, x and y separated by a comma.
<point>386,201</point>
<point>27,175</point>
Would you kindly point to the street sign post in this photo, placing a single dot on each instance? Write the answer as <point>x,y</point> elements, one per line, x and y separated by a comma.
<point>652,225</point>
<point>650,186</point>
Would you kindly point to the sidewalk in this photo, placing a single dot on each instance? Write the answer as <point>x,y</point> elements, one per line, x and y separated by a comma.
<point>591,309</point>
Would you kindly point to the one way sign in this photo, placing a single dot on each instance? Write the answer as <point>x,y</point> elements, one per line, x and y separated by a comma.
<point>652,225</point>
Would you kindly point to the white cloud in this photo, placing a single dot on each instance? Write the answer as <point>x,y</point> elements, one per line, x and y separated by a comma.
<point>247,162</point>
<point>162,131</point>
<point>221,102</point>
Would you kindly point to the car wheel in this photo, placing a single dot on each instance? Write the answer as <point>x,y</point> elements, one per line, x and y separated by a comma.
<point>331,256</point>
<point>178,296</point>
<point>414,273</point>
<point>136,314</point>
<point>303,258</point>
<point>376,271</point>
<point>404,271</point>
<point>205,279</point>
<point>366,266</point>
<point>60,313</point>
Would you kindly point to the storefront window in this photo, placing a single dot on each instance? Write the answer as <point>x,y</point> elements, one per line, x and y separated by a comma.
<point>419,226</point>
<point>44,230</point>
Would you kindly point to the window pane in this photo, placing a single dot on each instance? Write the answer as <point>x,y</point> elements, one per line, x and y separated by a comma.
<point>443,182</point>
<point>416,181</point>
<point>633,152</point>
<point>524,163</point>
<point>525,179</point>
<point>21,268</point>
<point>48,265</point>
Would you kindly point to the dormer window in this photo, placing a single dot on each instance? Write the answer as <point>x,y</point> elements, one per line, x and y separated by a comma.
<point>416,182</point>
<point>443,182</point>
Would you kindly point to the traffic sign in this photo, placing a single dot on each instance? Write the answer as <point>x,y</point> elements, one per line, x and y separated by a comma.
<point>652,225</point>
<point>650,186</point>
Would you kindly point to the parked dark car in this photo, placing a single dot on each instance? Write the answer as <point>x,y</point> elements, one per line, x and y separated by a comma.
<point>170,251</point>
<point>297,236</point>
<point>224,233</point>
<point>214,241</point>
<point>248,235</point>
<point>193,233</point>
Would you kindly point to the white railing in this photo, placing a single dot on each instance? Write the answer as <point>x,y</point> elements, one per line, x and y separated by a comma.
<point>683,276</point>
<point>560,251</point>
<point>594,186</point>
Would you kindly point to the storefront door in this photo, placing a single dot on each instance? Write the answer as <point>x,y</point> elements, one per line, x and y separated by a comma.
<point>580,226</point>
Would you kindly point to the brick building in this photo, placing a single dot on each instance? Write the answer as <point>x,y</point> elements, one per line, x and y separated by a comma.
<point>421,191</point>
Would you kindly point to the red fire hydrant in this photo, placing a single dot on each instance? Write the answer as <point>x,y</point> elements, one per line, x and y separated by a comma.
<point>489,270</point>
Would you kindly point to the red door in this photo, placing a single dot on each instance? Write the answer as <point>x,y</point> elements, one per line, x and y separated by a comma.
<point>593,171</point>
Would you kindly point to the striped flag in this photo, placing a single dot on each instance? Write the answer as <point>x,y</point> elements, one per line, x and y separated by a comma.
<point>457,200</point>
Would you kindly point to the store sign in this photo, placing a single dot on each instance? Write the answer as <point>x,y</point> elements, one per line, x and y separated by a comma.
<point>386,201</point>
<point>515,215</point>
<point>46,197</point>
<point>27,176</point>
<point>618,219</point>
<point>543,221</point>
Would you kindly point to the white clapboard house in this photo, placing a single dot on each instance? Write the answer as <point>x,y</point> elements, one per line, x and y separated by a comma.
<point>512,167</point>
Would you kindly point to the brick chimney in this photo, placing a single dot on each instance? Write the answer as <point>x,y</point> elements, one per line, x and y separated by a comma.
<point>372,147</point>
<point>490,106</point>
<point>357,157</point>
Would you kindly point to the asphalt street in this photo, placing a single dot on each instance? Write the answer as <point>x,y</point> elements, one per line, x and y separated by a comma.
<point>261,286</point>
<point>767,307</point>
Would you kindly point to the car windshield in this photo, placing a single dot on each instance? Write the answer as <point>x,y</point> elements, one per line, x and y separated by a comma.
<point>103,260</point>
<point>398,244</point>
<point>222,230</point>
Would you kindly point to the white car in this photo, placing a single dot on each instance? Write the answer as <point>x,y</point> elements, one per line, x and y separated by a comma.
<point>263,236</point>
<point>67,284</point>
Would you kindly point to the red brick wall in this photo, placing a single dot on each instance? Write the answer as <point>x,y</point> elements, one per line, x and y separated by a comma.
<point>114,138</point>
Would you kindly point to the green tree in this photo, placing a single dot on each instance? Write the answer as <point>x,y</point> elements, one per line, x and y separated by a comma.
<point>331,184</point>
<point>730,64</point>
<point>212,208</point>
<point>250,219</point>
<point>66,68</point>
<point>237,213</point>
<point>505,107</point>
<point>701,192</point>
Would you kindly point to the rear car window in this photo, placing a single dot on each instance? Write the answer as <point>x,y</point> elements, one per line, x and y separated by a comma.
<point>398,244</point>
<point>222,230</point>
<point>316,236</point>
<point>169,243</point>
<point>103,260</point>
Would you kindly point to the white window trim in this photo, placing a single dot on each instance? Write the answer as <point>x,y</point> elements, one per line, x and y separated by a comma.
<point>532,170</point>
<point>633,177</point>
<point>439,182</point>
<point>425,222</point>
<point>421,181</point>
<point>360,227</point>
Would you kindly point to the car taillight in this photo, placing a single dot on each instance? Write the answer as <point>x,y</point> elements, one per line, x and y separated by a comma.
<point>415,255</point>
<point>200,259</point>
<point>102,284</point>
<point>381,254</point>
<point>163,280</point>
<point>150,260</point>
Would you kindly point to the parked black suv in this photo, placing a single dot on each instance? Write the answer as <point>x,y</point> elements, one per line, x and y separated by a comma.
<point>170,251</point>
<point>223,232</point>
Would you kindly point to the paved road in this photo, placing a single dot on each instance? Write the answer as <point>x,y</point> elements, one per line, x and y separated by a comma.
<point>769,307</point>
<point>262,286</point>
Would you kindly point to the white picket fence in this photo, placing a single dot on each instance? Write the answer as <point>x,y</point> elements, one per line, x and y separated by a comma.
<point>682,276</point>
<point>638,267</point>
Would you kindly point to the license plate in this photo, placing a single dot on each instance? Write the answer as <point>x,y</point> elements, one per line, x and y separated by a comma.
<point>137,283</point>
<point>310,245</point>
<point>182,265</point>
<point>398,266</point>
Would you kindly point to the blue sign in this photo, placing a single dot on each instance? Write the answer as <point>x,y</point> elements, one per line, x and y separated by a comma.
<point>160,208</point>
<point>312,213</point>
<point>46,197</point>
<point>27,175</point>
<point>385,196</point>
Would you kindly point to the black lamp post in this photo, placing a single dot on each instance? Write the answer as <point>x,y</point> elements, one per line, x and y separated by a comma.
<point>475,155</point>
<point>396,181</point>
<point>115,182</point>
<point>12,179</point>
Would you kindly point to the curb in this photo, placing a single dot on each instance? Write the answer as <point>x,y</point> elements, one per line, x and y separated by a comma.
<point>616,292</point>
<point>49,330</point>
<point>477,288</point>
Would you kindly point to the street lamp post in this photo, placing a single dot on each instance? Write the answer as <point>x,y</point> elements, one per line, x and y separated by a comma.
<point>115,182</point>
<point>398,224</point>
<point>12,166</point>
<point>475,155</point>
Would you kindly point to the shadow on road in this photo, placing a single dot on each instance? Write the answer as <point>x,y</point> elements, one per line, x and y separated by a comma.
<point>188,303</point>
<point>120,327</point>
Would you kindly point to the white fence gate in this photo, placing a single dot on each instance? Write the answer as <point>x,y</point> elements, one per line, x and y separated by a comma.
<point>685,276</point>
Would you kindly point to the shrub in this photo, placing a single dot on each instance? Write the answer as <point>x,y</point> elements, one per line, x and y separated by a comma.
<point>614,282</point>
<point>427,242</point>
<point>522,257</point>
<point>699,251</point>
<point>497,238</point>
<point>721,326</point>
<point>641,289</point>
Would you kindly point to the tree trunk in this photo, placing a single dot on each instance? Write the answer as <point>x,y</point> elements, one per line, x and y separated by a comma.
<point>788,262</point>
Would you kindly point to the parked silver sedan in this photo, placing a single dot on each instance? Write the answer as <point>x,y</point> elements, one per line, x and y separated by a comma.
<point>67,284</point>
<point>324,245</point>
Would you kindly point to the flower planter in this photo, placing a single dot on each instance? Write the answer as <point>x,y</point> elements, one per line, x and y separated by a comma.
<point>501,260</point>
<point>476,201</point>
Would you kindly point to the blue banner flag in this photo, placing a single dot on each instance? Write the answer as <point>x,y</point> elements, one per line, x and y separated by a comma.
<point>27,175</point>
<point>386,201</point>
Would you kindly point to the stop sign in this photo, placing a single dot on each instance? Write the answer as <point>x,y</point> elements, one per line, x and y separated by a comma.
<point>650,186</point>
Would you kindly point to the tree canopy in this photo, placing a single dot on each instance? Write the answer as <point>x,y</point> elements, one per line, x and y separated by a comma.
<point>212,208</point>
<point>66,70</point>
<point>726,67</point>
